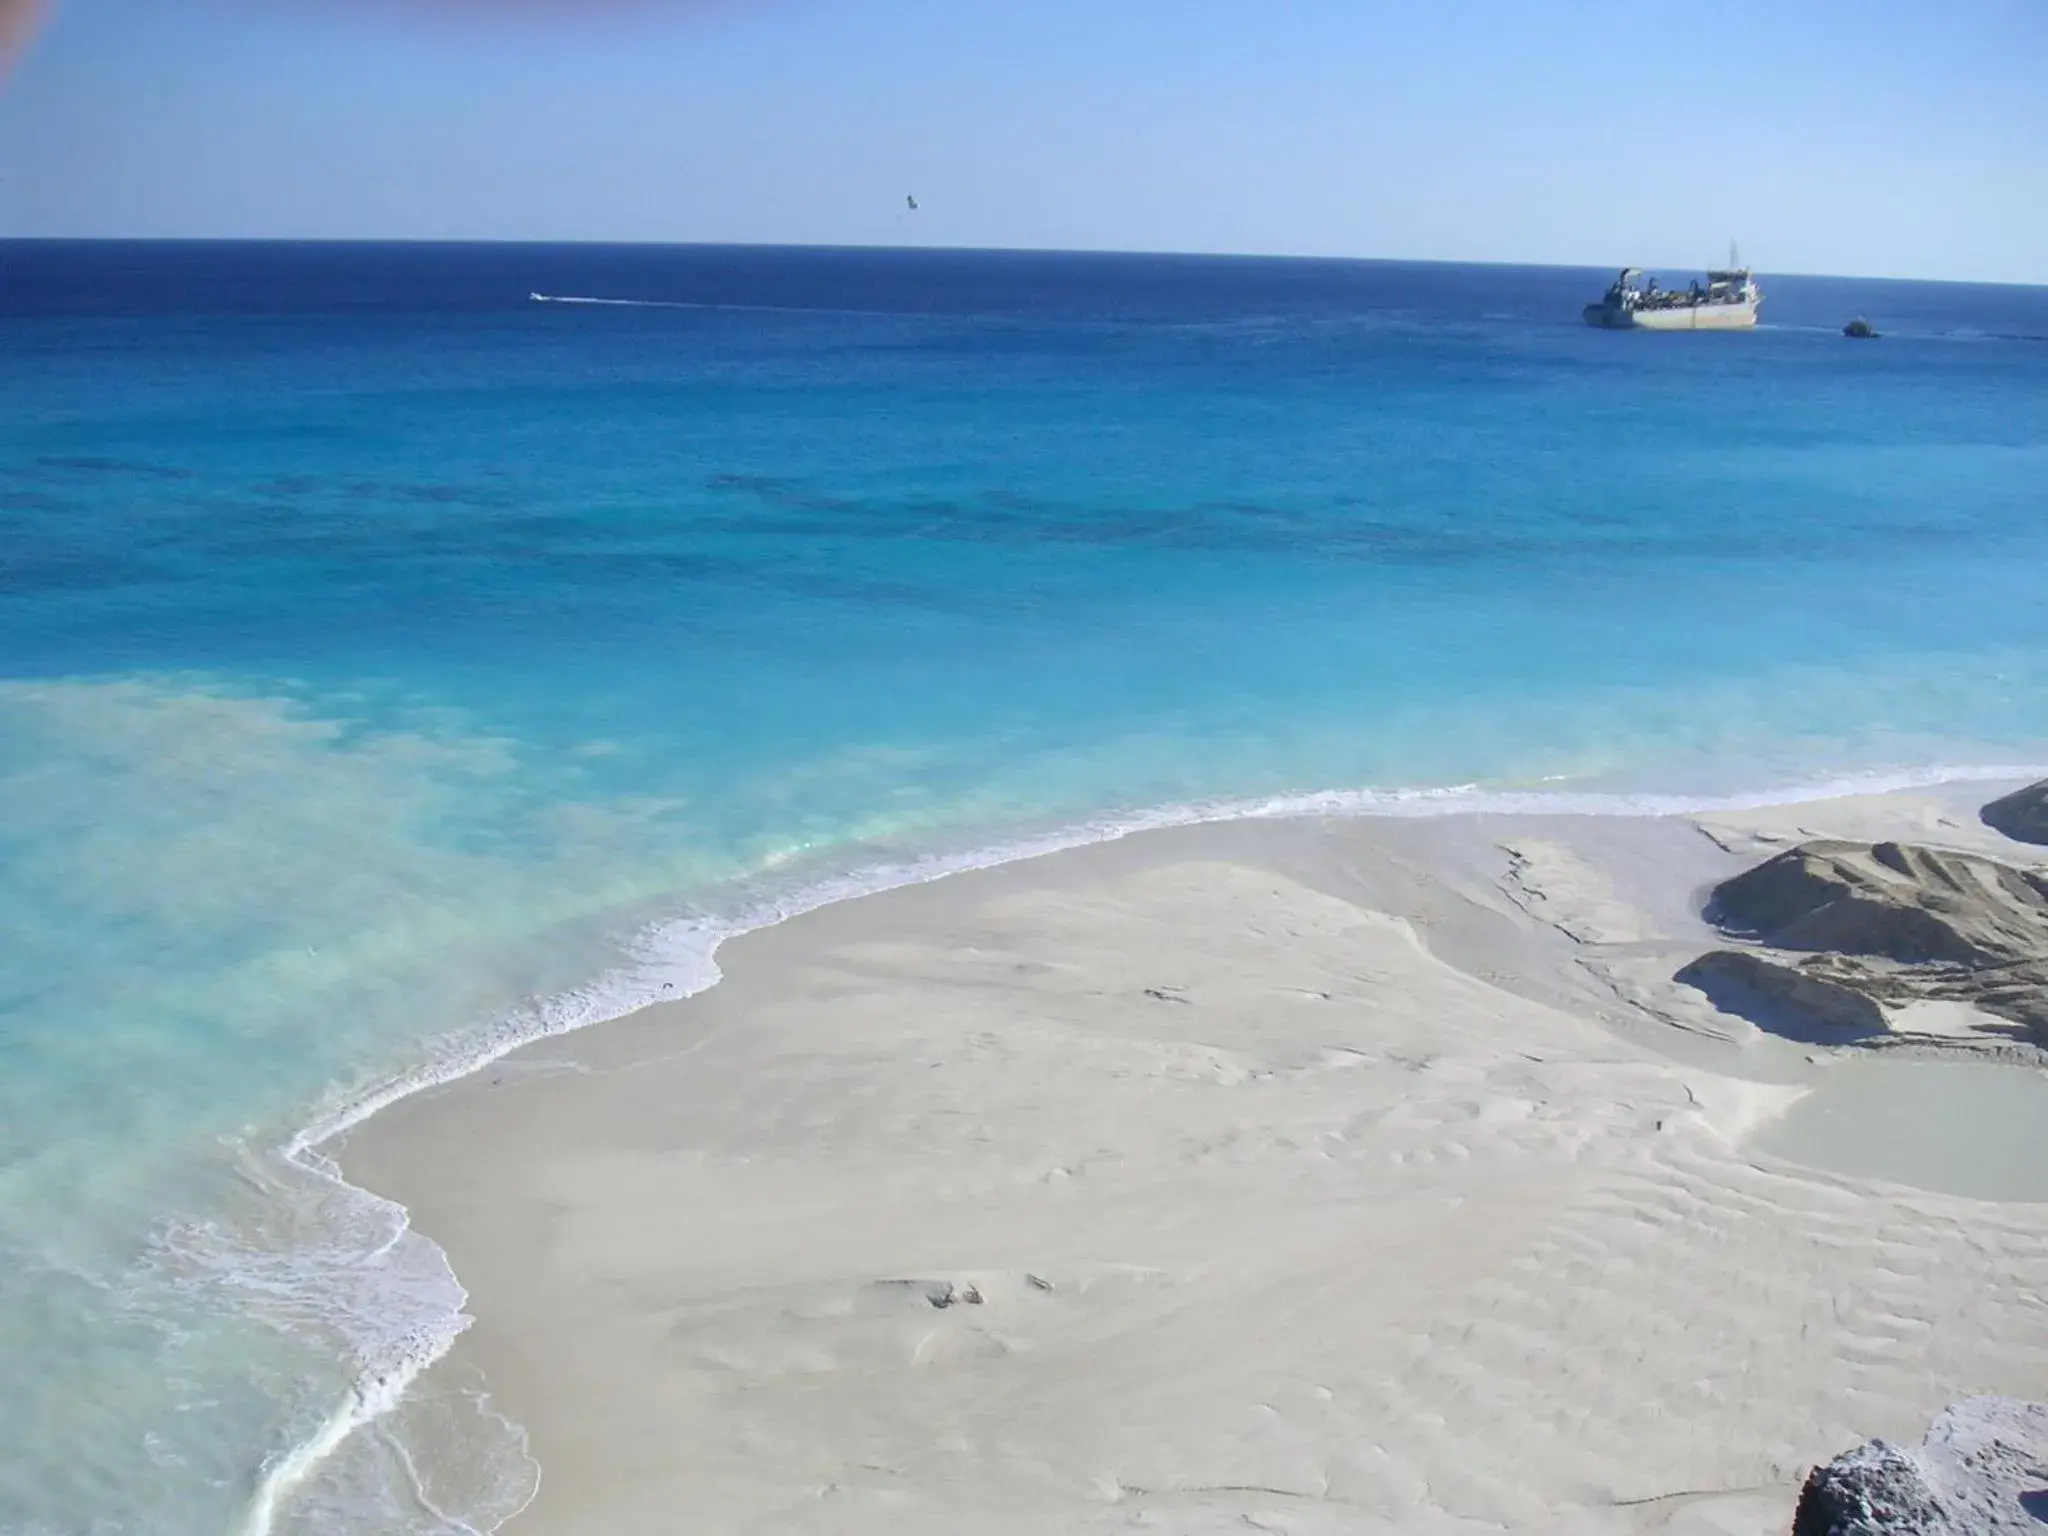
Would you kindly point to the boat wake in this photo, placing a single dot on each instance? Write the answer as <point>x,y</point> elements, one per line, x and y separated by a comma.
<point>576,298</point>
<point>742,309</point>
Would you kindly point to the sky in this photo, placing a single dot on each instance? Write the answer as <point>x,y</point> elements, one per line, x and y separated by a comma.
<point>1882,138</point>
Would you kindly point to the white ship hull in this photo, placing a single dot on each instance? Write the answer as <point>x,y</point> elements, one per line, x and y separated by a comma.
<point>1739,316</point>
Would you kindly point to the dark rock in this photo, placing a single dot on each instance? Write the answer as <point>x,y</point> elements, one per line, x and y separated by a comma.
<point>1873,1489</point>
<point>1745,982</point>
<point>1981,1470</point>
<point>1891,901</point>
<point>2021,815</point>
<point>1896,923</point>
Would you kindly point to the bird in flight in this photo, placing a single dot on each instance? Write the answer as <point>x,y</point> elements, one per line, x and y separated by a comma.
<point>912,202</point>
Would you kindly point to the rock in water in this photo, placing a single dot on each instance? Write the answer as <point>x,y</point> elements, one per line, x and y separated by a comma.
<point>1982,1470</point>
<point>1894,922</point>
<point>2021,815</point>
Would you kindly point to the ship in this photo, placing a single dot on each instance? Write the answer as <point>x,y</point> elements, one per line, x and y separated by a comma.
<point>1728,302</point>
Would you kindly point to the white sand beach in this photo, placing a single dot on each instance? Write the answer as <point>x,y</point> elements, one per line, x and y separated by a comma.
<point>1324,1176</point>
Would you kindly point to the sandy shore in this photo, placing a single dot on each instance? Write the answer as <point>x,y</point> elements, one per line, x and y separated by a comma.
<point>1359,1176</point>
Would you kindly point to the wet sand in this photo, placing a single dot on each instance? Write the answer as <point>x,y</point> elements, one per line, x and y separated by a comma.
<point>1352,1175</point>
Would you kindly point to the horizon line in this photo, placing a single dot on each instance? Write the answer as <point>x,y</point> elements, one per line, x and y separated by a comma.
<point>962,250</point>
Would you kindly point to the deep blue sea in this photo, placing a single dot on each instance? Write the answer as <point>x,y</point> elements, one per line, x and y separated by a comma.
<point>393,664</point>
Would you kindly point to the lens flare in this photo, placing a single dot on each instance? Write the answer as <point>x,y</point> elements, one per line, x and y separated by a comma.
<point>19,18</point>
<point>17,21</point>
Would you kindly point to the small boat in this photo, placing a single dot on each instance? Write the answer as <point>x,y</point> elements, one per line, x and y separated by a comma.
<point>1860,330</point>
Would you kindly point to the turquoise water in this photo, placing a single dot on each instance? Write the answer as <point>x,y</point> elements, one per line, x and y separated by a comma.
<point>391,665</point>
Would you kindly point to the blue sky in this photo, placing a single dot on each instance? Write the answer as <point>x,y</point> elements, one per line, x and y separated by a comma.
<point>1884,137</point>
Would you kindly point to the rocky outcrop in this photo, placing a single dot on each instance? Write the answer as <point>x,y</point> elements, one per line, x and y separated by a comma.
<point>1890,922</point>
<point>2021,815</point>
<point>1746,982</point>
<point>1981,1470</point>
<point>1890,901</point>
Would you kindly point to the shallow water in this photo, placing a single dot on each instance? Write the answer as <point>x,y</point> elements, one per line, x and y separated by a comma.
<point>1976,1129</point>
<point>381,651</point>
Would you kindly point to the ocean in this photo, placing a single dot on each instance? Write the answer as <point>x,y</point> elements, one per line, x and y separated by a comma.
<point>395,665</point>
